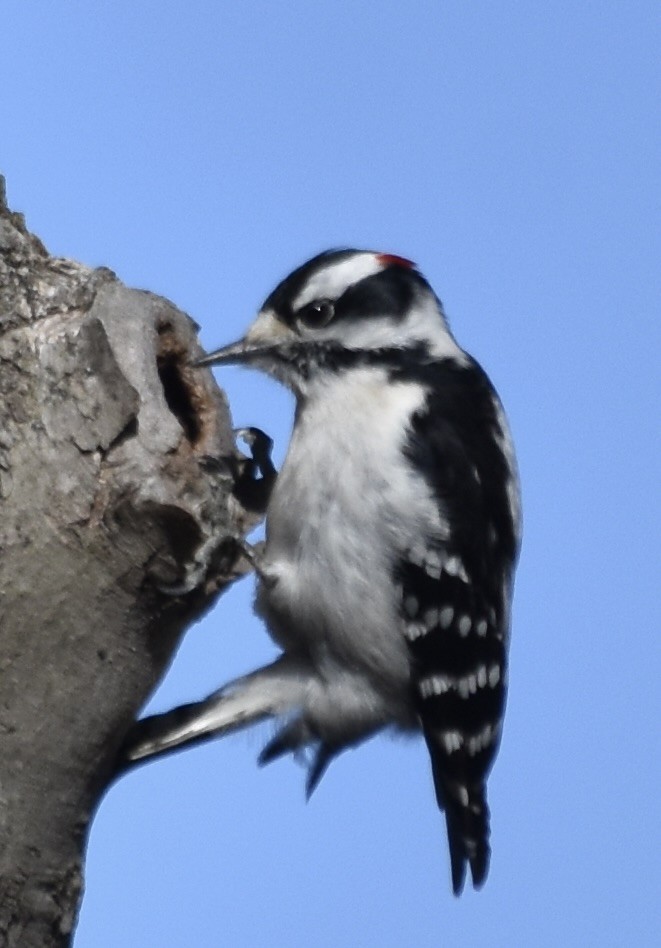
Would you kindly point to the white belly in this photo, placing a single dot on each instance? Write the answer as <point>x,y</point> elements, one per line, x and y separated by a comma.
<point>343,506</point>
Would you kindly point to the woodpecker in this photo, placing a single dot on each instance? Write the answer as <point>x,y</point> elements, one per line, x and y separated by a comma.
<point>392,534</point>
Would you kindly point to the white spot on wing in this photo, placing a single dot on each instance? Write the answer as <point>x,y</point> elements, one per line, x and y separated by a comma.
<point>494,676</point>
<point>466,686</point>
<point>430,618</point>
<point>479,741</point>
<point>452,741</point>
<point>433,558</point>
<point>446,615</point>
<point>416,555</point>
<point>454,567</point>
<point>415,630</point>
<point>434,685</point>
<point>433,564</point>
<point>464,625</point>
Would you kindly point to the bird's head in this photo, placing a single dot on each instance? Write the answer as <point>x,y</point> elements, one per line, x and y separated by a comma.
<point>339,308</point>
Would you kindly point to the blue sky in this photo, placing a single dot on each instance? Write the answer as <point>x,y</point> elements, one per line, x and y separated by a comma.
<point>202,150</point>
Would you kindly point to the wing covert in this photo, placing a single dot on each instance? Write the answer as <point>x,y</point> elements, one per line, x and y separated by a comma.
<point>455,599</point>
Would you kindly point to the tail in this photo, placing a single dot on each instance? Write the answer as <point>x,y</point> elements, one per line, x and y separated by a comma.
<point>468,837</point>
<point>467,821</point>
<point>269,692</point>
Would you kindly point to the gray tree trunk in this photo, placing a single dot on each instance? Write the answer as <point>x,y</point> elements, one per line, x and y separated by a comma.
<point>117,470</point>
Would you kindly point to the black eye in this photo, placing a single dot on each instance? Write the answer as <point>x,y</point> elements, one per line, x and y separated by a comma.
<point>317,314</point>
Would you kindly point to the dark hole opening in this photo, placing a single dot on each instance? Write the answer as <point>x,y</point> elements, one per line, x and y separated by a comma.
<point>178,398</point>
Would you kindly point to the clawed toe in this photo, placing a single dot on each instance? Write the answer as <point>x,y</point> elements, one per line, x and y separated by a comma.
<point>291,738</point>
<point>252,490</point>
<point>260,449</point>
<point>294,738</point>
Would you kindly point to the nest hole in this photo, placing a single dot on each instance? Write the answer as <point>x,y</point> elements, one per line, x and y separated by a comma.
<point>178,396</point>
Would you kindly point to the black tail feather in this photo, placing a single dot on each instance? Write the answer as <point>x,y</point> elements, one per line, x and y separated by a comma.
<point>457,853</point>
<point>468,835</point>
<point>467,821</point>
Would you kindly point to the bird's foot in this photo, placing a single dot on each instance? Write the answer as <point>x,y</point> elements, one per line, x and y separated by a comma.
<point>255,481</point>
<point>296,737</point>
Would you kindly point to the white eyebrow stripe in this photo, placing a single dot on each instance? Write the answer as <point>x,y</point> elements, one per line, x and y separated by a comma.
<point>332,280</point>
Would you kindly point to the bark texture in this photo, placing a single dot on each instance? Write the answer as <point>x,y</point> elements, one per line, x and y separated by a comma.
<point>117,476</point>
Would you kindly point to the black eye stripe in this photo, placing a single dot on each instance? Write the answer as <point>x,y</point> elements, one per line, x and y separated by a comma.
<point>316,314</point>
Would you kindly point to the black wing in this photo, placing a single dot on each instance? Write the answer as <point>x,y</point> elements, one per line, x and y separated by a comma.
<point>456,597</point>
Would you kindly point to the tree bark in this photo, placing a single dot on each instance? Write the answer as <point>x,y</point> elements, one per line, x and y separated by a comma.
<point>117,479</point>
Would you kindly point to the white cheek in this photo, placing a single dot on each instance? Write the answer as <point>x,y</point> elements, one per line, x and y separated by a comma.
<point>424,323</point>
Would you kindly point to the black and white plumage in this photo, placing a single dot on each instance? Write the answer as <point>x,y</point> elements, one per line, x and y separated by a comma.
<point>392,533</point>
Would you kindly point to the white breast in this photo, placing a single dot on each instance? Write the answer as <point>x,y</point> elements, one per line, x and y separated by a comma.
<point>343,506</point>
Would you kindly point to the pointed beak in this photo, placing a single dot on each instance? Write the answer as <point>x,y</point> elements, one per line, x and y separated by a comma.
<point>237,353</point>
<point>265,335</point>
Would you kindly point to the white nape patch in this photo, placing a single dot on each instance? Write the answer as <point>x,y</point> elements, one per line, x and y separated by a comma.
<point>452,741</point>
<point>445,616</point>
<point>464,625</point>
<point>332,280</point>
<point>481,628</point>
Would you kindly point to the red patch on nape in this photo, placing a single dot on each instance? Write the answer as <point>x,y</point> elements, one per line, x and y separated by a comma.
<point>393,260</point>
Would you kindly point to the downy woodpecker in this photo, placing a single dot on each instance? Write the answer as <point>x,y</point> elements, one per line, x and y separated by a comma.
<point>392,533</point>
